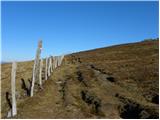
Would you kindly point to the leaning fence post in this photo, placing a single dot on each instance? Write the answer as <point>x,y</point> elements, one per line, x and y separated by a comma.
<point>13,88</point>
<point>46,70</point>
<point>36,66</point>
<point>40,73</point>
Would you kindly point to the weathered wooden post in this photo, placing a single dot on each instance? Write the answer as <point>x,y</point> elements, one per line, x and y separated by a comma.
<point>13,89</point>
<point>36,66</point>
<point>46,70</point>
<point>56,62</point>
<point>49,66</point>
<point>53,60</point>
<point>40,73</point>
<point>62,56</point>
<point>59,60</point>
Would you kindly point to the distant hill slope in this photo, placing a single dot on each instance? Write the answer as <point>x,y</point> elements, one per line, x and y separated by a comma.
<point>120,81</point>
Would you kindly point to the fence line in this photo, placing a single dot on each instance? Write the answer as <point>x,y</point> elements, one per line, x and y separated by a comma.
<point>51,64</point>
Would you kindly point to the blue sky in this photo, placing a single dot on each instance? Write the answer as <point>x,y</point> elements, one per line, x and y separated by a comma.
<point>66,27</point>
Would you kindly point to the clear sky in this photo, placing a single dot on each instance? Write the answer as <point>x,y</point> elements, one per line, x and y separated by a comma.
<point>66,27</point>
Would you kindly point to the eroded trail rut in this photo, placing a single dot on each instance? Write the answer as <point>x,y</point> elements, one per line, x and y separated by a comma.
<point>67,94</point>
<point>80,90</point>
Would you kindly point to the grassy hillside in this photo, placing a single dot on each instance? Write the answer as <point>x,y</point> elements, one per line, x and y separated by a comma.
<point>114,82</point>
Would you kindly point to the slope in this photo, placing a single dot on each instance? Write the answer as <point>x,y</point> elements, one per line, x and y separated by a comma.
<point>114,82</point>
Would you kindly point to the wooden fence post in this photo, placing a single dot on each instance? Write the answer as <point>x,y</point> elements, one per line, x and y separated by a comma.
<point>49,66</point>
<point>62,56</point>
<point>40,73</point>
<point>13,89</point>
<point>36,67</point>
<point>46,70</point>
<point>59,60</point>
<point>53,62</point>
<point>56,62</point>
